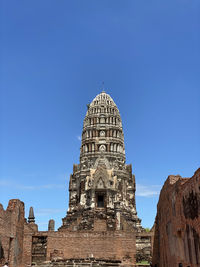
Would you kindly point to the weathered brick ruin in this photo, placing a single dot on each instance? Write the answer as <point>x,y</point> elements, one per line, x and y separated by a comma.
<point>11,232</point>
<point>101,227</point>
<point>177,225</point>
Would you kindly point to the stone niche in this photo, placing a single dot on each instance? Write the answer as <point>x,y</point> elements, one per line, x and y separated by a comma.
<point>1,252</point>
<point>39,249</point>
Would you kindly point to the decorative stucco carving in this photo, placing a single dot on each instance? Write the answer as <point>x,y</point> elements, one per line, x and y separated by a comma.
<point>102,179</point>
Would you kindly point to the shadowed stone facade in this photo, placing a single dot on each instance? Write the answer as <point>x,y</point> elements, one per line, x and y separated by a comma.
<point>177,225</point>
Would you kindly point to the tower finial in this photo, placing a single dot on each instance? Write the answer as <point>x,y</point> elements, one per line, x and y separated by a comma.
<point>31,217</point>
<point>51,225</point>
<point>103,87</point>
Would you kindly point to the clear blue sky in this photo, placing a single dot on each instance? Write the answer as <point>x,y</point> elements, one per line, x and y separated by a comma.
<point>54,56</point>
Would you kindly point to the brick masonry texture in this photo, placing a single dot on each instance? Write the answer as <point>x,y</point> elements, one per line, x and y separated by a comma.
<point>177,224</point>
<point>11,232</point>
<point>23,244</point>
<point>103,245</point>
<point>50,246</point>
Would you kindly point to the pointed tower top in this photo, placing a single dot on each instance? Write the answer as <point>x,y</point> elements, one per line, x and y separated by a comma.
<point>51,225</point>
<point>31,217</point>
<point>103,87</point>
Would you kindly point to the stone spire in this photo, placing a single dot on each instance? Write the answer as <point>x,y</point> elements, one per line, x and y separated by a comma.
<point>31,217</point>
<point>51,225</point>
<point>102,184</point>
<point>102,135</point>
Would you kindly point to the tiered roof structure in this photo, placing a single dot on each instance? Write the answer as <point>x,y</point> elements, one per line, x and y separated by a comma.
<point>102,185</point>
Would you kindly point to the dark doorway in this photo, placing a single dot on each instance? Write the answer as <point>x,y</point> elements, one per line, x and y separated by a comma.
<point>100,201</point>
<point>1,252</point>
<point>39,248</point>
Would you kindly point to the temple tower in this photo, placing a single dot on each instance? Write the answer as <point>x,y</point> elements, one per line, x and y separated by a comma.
<point>102,186</point>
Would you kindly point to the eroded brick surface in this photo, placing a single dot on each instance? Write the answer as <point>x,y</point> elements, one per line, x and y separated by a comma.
<point>11,232</point>
<point>177,227</point>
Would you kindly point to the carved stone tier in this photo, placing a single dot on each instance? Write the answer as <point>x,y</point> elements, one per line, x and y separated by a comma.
<point>102,185</point>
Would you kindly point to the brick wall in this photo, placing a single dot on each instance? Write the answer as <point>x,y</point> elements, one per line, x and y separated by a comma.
<point>22,243</point>
<point>100,225</point>
<point>177,225</point>
<point>113,245</point>
<point>105,245</point>
<point>11,232</point>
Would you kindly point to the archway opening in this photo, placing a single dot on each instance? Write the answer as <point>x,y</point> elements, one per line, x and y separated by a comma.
<point>1,252</point>
<point>100,201</point>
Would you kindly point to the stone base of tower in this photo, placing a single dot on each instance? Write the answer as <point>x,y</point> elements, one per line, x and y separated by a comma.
<point>111,219</point>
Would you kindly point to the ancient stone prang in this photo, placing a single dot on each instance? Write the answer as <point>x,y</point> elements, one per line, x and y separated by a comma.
<point>102,186</point>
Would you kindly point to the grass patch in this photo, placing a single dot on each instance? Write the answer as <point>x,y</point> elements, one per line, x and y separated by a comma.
<point>143,263</point>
